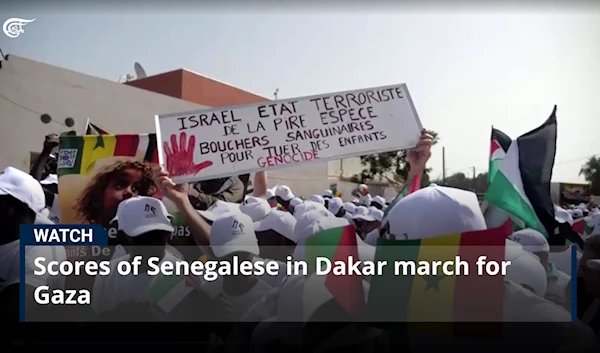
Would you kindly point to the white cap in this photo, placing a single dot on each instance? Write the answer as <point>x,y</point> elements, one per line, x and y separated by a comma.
<point>379,200</point>
<point>355,200</point>
<point>271,192</point>
<point>307,206</point>
<point>365,200</point>
<point>328,193</point>
<point>531,240</point>
<point>142,214</point>
<point>284,192</point>
<point>362,213</point>
<point>43,218</point>
<point>233,232</point>
<point>305,224</point>
<point>279,221</point>
<point>335,204</point>
<point>525,269</point>
<point>256,207</point>
<point>350,207</point>
<point>50,179</point>
<point>448,210</point>
<point>218,208</point>
<point>577,213</point>
<point>317,198</point>
<point>295,202</point>
<point>376,213</point>
<point>562,214</point>
<point>23,187</point>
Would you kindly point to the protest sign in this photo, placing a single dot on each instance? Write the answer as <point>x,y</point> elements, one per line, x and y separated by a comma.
<point>95,172</point>
<point>208,144</point>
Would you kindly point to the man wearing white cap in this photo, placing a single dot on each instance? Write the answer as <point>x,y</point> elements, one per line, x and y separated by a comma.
<point>308,206</point>
<point>317,199</point>
<point>275,234</point>
<point>21,201</point>
<point>233,235</point>
<point>336,207</point>
<point>366,220</point>
<point>256,207</point>
<point>327,195</point>
<point>144,226</point>
<point>379,202</point>
<point>284,195</point>
<point>535,243</point>
<point>350,208</point>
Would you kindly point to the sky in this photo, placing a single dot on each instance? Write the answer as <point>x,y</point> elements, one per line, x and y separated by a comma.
<point>466,68</point>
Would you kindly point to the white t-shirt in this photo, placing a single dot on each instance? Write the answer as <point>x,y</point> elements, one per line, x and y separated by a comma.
<point>109,291</point>
<point>273,281</point>
<point>10,265</point>
<point>240,304</point>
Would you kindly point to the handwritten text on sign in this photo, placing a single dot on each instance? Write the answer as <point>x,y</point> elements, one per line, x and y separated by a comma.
<point>214,143</point>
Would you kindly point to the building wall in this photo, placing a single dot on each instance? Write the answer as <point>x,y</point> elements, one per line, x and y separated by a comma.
<point>29,89</point>
<point>193,87</point>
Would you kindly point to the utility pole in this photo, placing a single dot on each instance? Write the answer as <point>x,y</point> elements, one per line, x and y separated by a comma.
<point>474,176</point>
<point>275,94</point>
<point>443,165</point>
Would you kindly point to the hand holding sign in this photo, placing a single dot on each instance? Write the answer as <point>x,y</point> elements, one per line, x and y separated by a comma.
<point>180,156</point>
<point>417,157</point>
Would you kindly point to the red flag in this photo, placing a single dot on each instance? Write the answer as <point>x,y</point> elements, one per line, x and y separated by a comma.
<point>578,226</point>
<point>347,289</point>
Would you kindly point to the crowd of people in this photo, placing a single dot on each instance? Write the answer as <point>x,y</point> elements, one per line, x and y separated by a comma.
<point>274,225</point>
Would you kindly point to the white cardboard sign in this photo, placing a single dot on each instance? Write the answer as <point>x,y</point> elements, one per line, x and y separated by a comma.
<point>215,143</point>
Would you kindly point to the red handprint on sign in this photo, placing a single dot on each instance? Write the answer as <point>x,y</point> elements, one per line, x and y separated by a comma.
<point>180,156</point>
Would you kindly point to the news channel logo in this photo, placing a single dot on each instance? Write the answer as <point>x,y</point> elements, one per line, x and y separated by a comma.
<point>13,27</point>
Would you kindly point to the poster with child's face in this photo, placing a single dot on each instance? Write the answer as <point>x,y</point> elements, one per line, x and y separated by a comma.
<point>97,172</point>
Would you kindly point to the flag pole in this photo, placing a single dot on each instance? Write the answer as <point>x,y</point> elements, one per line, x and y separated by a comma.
<point>87,124</point>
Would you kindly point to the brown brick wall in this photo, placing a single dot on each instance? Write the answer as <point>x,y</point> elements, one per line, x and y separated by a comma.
<point>206,91</point>
<point>168,83</point>
<point>191,87</point>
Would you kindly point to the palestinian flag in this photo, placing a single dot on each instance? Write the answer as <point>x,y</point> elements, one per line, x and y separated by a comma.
<point>92,129</point>
<point>581,227</point>
<point>168,291</point>
<point>409,188</point>
<point>439,298</point>
<point>78,154</point>
<point>325,244</point>
<point>347,289</point>
<point>521,186</point>
<point>500,142</point>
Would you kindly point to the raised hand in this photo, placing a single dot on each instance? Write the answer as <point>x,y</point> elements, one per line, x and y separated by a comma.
<point>50,141</point>
<point>174,192</point>
<point>180,156</point>
<point>418,156</point>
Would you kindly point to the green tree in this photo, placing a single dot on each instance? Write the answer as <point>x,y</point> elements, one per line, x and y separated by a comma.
<point>462,181</point>
<point>382,164</point>
<point>591,172</point>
